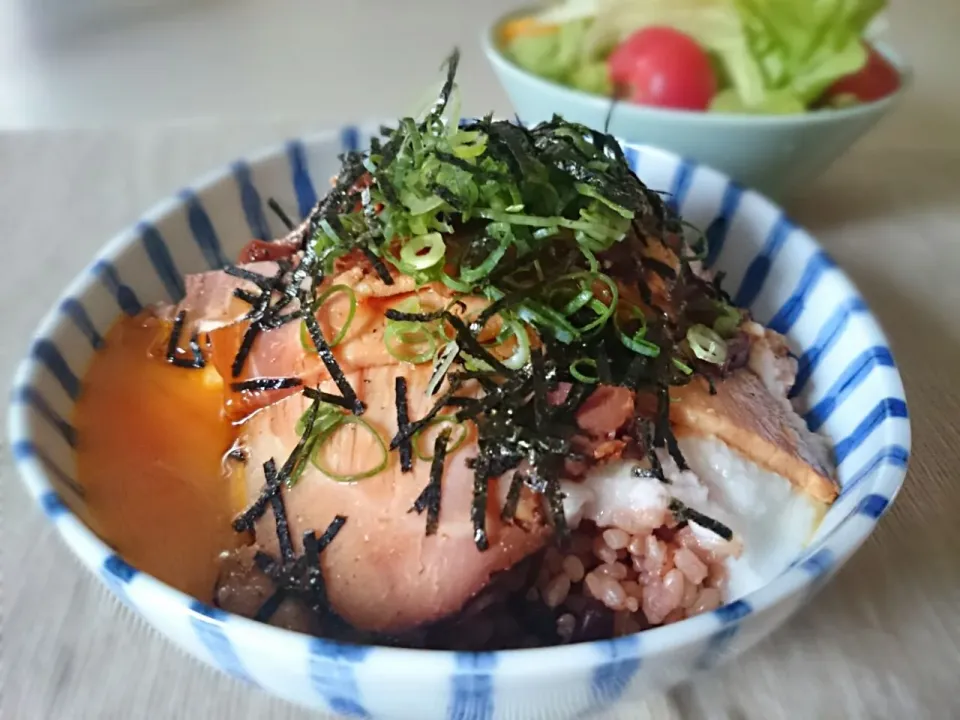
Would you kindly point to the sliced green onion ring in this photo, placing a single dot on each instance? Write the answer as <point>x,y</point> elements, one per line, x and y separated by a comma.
<point>305,340</point>
<point>590,191</point>
<point>455,284</point>
<point>474,274</point>
<point>587,297</point>
<point>521,355</point>
<point>325,436</point>
<point>729,320</point>
<point>423,251</point>
<point>579,374</point>
<point>707,344</point>
<point>401,332</point>
<point>636,342</point>
<point>458,439</point>
<point>441,364</point>
<point>537,313</point>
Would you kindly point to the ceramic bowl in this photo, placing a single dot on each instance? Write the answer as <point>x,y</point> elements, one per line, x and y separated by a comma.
<point>773,153</point>
<point>848,387</point>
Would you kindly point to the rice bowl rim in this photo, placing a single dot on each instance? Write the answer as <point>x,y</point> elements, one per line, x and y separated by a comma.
<point>849,534</point>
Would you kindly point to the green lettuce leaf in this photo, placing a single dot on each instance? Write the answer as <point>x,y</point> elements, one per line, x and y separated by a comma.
<point>558,56</point>
<point>804,46</point>
<point>776,56</point>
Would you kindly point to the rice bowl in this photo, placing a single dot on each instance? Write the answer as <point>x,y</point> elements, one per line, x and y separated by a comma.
<point>511,684</point>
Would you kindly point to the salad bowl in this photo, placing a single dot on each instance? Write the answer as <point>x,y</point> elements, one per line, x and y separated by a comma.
<point>848,388</point>
<point>773,153</point>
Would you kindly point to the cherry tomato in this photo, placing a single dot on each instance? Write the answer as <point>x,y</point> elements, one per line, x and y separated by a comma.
<point>877,79</point>
<point>663,67</point>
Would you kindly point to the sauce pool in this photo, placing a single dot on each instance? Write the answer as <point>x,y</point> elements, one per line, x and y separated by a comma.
<point>150,455</point>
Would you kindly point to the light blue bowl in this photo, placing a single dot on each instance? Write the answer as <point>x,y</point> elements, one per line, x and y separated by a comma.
<point>772,153</point>
<point>847,387</point>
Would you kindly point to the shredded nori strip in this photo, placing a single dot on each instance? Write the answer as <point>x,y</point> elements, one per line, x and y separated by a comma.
<point>393,314</point>
<point>378,265</point>
<point>555,502</point>
<point>492,399</point>
<point>246,345</point>
<point>279,212</point>
<point>300,576</point>
<point>446,399</point>
<point>331,532</point>
<point>470,343</point>
<point>248,517</point>
<point>429,498</point>
<point>684,513</point>
<point>508,300</point>
<point>643,473</point>
<point>173,344</point>
<point>270,606</point>
<point>315,394</point>
<point>541,408</point>
<point>283,528</point>
<point>333,367</point>
<point>279,512</point>
<point>267,564</point>
<point>403,425</point>
<point>663,433</point>
<point>604,374</point>
<point>509,510</point>
<point>280,383</point>
<point>247,296</point>
<point>261,281</point>
<point>478,509</point>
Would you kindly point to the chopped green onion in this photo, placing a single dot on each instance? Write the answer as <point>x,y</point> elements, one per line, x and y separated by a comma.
<point>546,317</point>
<point>729,321</point>
<point>579,374</point>
<point>592,192</point>
<point>447,420</point>
<point>707,344</point>
<point>682,367</point>
<point>521,355</point>
<point>637,341</point>
<point>325,436</point>
<point>587,296</point>
<point>423,251</point>
<point>305,340</point>
<point>455,284</point>
<point>475,364</point>
<point>441,365</point>
<point>474,274</point>
<point>400,333</point>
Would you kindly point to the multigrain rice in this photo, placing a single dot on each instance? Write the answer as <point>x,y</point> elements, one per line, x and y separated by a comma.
<point>648,578</point>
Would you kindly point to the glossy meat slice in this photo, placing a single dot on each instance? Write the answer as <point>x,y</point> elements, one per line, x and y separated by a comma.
<point>280,352</point>
<point>746,416</point>
<point>210,302</point>
<point>383,573</point>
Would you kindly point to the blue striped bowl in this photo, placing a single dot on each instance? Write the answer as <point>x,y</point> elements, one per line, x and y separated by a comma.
<point>848,384</point>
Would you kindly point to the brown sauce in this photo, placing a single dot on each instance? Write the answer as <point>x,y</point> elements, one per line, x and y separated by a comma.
<point>151,443</point>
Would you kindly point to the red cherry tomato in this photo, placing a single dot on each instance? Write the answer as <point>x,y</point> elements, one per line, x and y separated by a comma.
<point>877,79</point>
<point>663,67</point>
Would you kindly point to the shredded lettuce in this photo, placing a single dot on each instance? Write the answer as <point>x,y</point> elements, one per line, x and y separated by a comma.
<point>556,53</point>
<point>773,56</point>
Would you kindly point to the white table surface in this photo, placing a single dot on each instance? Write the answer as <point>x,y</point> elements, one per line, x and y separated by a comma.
<point>882,641</point>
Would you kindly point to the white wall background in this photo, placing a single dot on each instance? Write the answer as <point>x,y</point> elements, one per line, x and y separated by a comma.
<point>95,62</point>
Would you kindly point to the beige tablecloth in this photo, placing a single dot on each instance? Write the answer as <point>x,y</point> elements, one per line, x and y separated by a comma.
<point>882,641</point>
